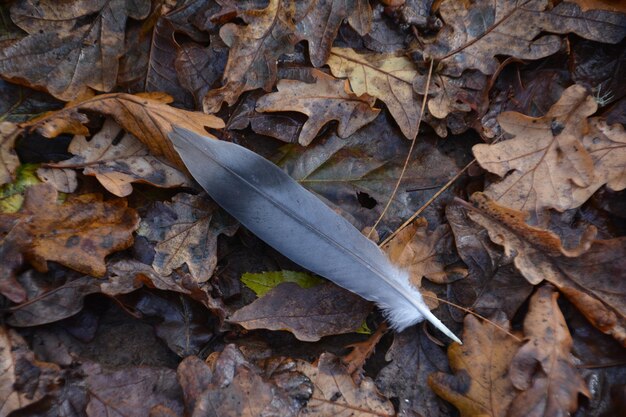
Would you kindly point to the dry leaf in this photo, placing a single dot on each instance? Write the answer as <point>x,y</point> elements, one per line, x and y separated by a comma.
<point>385,76</point>
<point>451,94</point>
<point>145,116</point>
<point>70,45</point>
<point>590,275</point>
<point>336,394</point>
<point>63,180</point>
<point>481,383</point>
<point>473,35</point>
<point>79,233</point>
<point>546,161</point>
<point>326,100</point>
<point>8,158</point>
<point>308,313</point>
<point>185,232</point>
<point>254,51</point>
<point>544,369</point>
<point>117,159</point>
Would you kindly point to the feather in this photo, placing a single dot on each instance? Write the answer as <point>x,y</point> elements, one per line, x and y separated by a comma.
<point>299,225</point>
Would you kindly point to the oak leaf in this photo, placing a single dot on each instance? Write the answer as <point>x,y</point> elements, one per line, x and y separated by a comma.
<point>146,116</point>
<point>589,275</point>
<point>480,385</point>
<point>117,159</point>
<point>544,368</point>
<point>546,160</point>
<point>8,158</point>
<point>79,233</point>
<point>385,76</point>
<point>254,50</point>
<point>70,46</point>
<point>452,94</point>
<point>326,100</point>
<point>185,232</point>
<point>63,180</point>
<point>473,35</point>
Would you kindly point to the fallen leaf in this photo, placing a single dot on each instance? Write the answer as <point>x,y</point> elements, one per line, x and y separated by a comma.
<point>546,161</point>
<point>473,35</point>
<point>12,195</point>
<point>544,368</point>
<point>481,384</point>
<point>70,46</point>
<point>385,76</point>
<point>8,158</point>
<point>25,380</point>
<point>308,313</point>
<point>360,352</point>
<point>263,282</point>
<point>452,94</point>
<point>589,275</point>
<point>78,233</point>
<point>185,232</point>
<point>412,357</point>
<point>117,159</point>
<point>63,180</point>
<point>254,51</point>
<point>327,100</point>
<point>336,394</point>
<point>146,116</point>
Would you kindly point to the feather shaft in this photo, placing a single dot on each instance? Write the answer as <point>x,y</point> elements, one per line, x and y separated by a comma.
<point>295,222</point>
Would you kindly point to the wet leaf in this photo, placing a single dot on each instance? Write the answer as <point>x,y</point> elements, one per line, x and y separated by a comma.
<point>327,100</point>
<point>473,35</point>
<point>308,313</point>
<point>544,368</point>
<point>263,282</point>
<point>481,383</point>
<point>546,161</point>
<point>336,394</point>
<point>589,275</point>
<point>118,159</point>
<point>185,232</point>
<point>385,76</point>
<point>146,116</point>
<point>70,46</point>
<point>8,158</point>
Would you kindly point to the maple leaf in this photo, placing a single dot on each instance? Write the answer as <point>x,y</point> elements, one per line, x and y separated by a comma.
<point>185,232</point>
<point>78,233</point>
<point>546,160</point>
<point>254,51</point>
<point>588,275</point>
<point>544,368</point>
<point>70,45</point>
<point>118,159</point>
<point>336,394</point>
<point>474,35</point>
<point>326,100</point>
<point>8,158</point>
<point>385,76</point>
<point>146,116</point>
<point>480,385</point>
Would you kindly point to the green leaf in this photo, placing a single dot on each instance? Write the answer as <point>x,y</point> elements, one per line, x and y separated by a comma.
<point>262,282</point>
<point>12,195</point>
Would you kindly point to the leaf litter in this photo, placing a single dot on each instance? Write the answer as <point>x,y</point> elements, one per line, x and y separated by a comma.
<point>105,231</point>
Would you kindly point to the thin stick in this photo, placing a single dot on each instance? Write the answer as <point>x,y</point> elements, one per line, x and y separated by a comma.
<point>408,157</point>
<point>467,310</point>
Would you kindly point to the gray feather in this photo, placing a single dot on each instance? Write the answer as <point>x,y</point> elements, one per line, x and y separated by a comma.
<point>293,221</point>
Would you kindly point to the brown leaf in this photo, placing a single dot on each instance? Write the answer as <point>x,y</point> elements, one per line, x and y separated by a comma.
<point>546,161</point>
<point>185,232</point>
<point>117,160</point>
<point>70,46</point>
<point>413,356</point>
<point>326,100</point>
<point>361,351</point>
<point>588,275</point>
<point>308,313</point>
<point>385,76</point>
<point>63,180</point>
<point>25,380</point>
<point>78,233</point>
<point>336,394</point>
<point>8,158</point>
<point>480,385</point>
<point>145,116</point>
<point>473,35</point>
<point>544,369</point>
<point>254,51</point>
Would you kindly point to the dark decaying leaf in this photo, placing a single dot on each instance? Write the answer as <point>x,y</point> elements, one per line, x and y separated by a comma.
<point>309,313</point>
<point>8,158</point>
<point>71,45</point>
